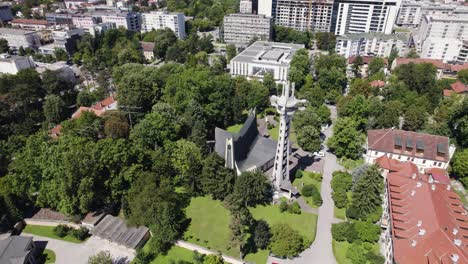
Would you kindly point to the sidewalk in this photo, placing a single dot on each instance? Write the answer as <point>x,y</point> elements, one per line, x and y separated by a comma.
<point>206,251</point>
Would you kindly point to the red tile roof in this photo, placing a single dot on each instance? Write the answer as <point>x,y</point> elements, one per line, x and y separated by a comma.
<point>405,168</point>
<point>29,21</point>
<point>386,140</point>
<point>428,222</point>
<point>438,63</point>
<point>447,92</point>
<point>55,131</point>
<point>98,108</point>
<point>147,46</point>
<point>377,83</point>
<point>459,87</point>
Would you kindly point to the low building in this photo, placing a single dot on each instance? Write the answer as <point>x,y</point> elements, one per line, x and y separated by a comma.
<point>84,21</point>
<point>264,57</point>
<point>371,44</point>
<point>91,219</point>
<point>424,150</point>
<point>162,19</point>
<point>20,38</point>
<point>129,20</point>
<point>424,221</point>
<point>246,150</point>
<point>101,28</point>
<point>65,19</point>
<point>17,250</point>
<point>444,70</point>
<point>241,29</point>
<point>148,50</point>
<point>63,39</point>
<point>5,13</point>
<point>116,230</point>
<point>12,64</point>
<point>456,88</point>
<point>29,24</point>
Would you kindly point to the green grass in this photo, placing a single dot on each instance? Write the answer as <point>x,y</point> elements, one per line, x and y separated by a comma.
<point>209,226</point>
<point>235,128</point>
<point>340,249</point>
<point>305,223</point>
<point>260,257</point>
<point>350,164</point>
<point>462,197</point>
<point>340,213</point>
<point>47,257</point>
<point>174,254</point>
<point>48,231</point>
<point>306,179</point>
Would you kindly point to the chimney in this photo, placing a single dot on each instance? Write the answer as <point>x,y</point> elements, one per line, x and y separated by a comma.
<point>422,232</point>
<point>431,179</point>
<point>433,187</point>
<point>413,176</point>
<point>454,257</point>
<point>418,184</point>
<point>419,223</point>
<point>457,242</point>
<point>448,187</point>
<point>413,243</point>
<point>413,192</point>
<point>455,231</point>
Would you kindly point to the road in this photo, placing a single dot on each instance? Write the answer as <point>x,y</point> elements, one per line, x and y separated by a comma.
<point>73,253</point>
<point>321,251</point>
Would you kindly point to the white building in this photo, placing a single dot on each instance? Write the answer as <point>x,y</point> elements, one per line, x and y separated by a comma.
<point>163,19</point>
<point>84,21</point>
<point>424,150</point>
<point>412,12</point>
<point>128,20</point>
<point>304,15</point>
<point>11,64</point>
<point>245,6</point>
<point>264,57</point>
<point>362,16</point>
<point>20,38</point>
<point>441,37</point>
<point>240,29</point>
<point>463,55</point>
<point>371,44</point>
<point>101,28</point>
<point>267,7</point>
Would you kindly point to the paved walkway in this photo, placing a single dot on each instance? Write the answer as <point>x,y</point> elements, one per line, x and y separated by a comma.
<point>73,253</point>
<point>206,251</point>
<point>321,251</point>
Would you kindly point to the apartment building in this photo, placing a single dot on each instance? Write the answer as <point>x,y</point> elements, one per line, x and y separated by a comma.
<point>84,21</point>
<point>163,19</point>
<point>245,6</point>
<point>441,36</point>
<point>128,20</point>
<point>264,57</point>
<point>463,54</point>
<point>412,12</point>
<point>362,16</point>
<point>29,24</point>
<point>267,8</point>
<point>240,29</point>
<point>59,19</point>
<point>11,64</point>
<point>371,44</point>
<point>63,39</point>
<point>20,38</point>
<point>304,15</point>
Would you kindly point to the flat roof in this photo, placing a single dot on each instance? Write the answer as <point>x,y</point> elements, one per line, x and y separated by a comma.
<point>265,52</point>
<point>14,31</point>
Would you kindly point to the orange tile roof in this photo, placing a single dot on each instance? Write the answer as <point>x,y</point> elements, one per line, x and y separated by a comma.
<point>429,226</point>
<point>29,21</point>
<point>447,92</point>
<point>438,63</point>
<point>459,87</point>
<point>377,83</point>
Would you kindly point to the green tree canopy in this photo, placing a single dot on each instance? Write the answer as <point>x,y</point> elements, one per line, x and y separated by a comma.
<point>285,241</point>
<point>346,141</point>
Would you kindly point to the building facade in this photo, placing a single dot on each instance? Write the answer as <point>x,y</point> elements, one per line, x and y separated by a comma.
<point>304,15</point>
<point>240,29</point>
<point>5,13</point>
<point>20,38</point>
<point>29,24</point>
<point>245,6</point>
<point>264,57</point>
<point>128,20</point>
<point>412,12</point>
<point>163,19</point>
<point>11,64</point>
<point>84,21</point>
<point>267,7</point>
<point>371,44</point>
<point>362,16</point>
<point>59,19</point>
<point>463,54</point>
<point>441,37</point>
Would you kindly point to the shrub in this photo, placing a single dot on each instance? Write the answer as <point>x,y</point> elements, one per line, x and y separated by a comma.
<point>283,206</point>
<point>285,241</point>
<point>308,190</point>
<point>61,230</point>
<point>340,198</point>
<point>345,231</point>
<point>294,208</point>
<point>298,174</point>
<point>315,176</point>
<point>367,232</point>
<point>80,233</point>
<point>262,234</point>
<point>270,126</point>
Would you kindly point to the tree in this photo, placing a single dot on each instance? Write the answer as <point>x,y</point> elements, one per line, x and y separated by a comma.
<point>300,67</point>
<point>164,38</point>
<point>415,118</point>
<point>367,193</point>
<point>4,48</point>
<point>376,65</point>
<point>393,55</point>
<point>176,52</point>
<point>55,83</point>
<point>459,166</point>
<point>53,109</point>
<point>346,141</point>
<point>103,257</point>
<point>10,214</point>
<point>325,40</point>
<point>367,232</point>
<point>262,234</point>
<point>269,82</point>
<point>357,63</point>
<point>412,54</point>
<point>463,76</point>
<point>231,52</point>
<point>153,202</point>
<point>285,241</point>
<point>360,87</point>
<point>308,138</point>
<point>213,259</point>
<point>344,231</point>
<point>356,253</point>
<point>115,125</point>
<point>186,158</point>
<point>60,54</point>
<point>458,123</point>
<point>252,188</point>
<point>215,178</point>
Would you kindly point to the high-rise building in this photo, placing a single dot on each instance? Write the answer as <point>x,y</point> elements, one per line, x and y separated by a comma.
<point>245,6</point>
<point>240,29</point>
<point>311,15</point>
<point>363,16</point>
<point>163,19</point>
<point>128,20</point>
<point>267,7</point>
<point>441,37</point>
<point>412,12</point>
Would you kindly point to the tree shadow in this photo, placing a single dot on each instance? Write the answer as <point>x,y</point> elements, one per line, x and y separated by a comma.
<point>39,247</point>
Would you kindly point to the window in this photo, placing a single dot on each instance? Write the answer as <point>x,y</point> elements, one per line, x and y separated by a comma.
<point>435,163</point>
<point>424,161</point>
<point>439,164</point>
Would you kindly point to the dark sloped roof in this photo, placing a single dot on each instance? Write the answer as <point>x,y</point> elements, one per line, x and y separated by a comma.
<point>116,230</point>
<point>14,249</point>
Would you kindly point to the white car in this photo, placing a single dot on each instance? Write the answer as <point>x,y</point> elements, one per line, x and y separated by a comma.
<point>320,154</point>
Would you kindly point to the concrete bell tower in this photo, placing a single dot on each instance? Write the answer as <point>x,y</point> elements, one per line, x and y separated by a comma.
<point>286,105</point>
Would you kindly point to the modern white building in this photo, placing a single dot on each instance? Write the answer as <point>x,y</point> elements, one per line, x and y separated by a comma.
<point>240,29</point>
<point>84,21</point>
<point>163,19</point>
<point>101,28</point>
<point>245,6</point>
<point>264,57</point>
<point>412,12</point>
<point>128,20</point>
<point>463,54</point>
<point>20,38</point>
<point>267,7</point>
<point>363,16</point>
<point>441,37</point>
<point>304,15</point>
<point>371,44</point>
<point>11,64</point>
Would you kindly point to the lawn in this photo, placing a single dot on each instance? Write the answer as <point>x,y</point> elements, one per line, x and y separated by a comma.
<point>306,179</point>
<point>305,223</point>
<point>340,249</point>
<point>340,213</point>
<point>174,255</point>
<point>209,226</point>
<point>350,164</point>
<point>235,128</point>
<point>48,231</point>
<point>260,257</point>
<point>275,131</point>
